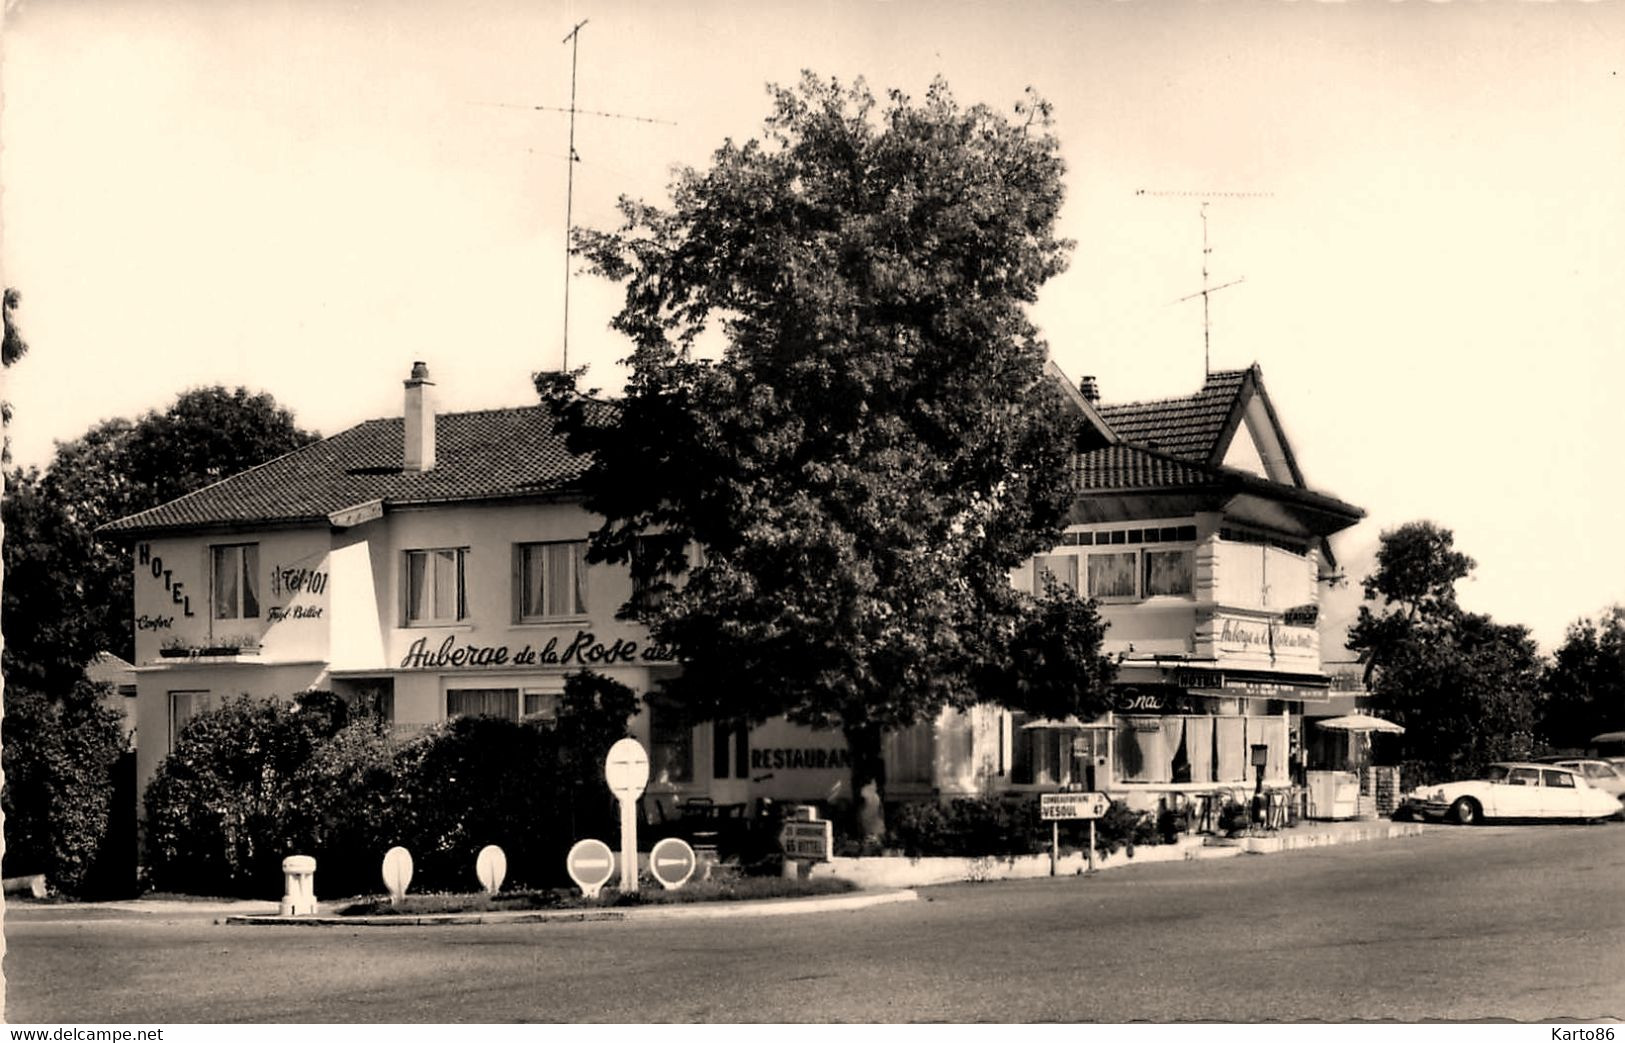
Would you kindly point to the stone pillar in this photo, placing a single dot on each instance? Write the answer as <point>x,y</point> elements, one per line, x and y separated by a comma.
<point>299,886</point>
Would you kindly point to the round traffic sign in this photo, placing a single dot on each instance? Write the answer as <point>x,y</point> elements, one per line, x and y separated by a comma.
<point>626,769</point>
<point>491,866</point>
<point>672,862</point>
<point>397,872</point>
<point>590,864</point>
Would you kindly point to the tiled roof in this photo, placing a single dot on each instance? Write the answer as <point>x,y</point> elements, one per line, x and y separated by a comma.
<point>1131,467</point>
<point>491,454</point>
<point>1188,427</point>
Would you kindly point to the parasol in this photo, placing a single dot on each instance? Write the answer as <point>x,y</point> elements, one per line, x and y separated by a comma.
<point>1360,722</point>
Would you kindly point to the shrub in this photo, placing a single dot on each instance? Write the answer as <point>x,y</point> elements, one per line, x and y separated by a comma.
<point>1122,827</point>
<point>1234,818</point>
<point>59,758</point>
<point>981,826</point>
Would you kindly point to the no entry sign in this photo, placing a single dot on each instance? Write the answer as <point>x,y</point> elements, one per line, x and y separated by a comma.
<point>590,864</point>
<point>672,862</point>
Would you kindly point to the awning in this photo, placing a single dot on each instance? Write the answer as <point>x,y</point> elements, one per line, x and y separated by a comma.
<point>1360,722</point>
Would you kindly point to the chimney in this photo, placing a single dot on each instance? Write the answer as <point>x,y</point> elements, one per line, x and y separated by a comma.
<point>419,454</point>
<point>1090,390</point>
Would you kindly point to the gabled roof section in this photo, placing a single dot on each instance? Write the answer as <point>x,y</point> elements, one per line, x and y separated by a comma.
<point>1096,432</point>
<point>1193,427</point>
<point>488,455</point>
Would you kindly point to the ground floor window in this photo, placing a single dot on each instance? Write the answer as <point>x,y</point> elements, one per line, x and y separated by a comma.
<point>186,704</point>
<point>910,754</point>
<point>539,704</point>
<point>1197,749</point>
<point>671,744</point>
<point>369,696</point>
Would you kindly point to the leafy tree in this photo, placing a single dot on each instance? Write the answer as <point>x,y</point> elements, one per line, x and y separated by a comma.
<point>69,594</point>
<point>14,346</point>
<point>877,445</point>
<point>1465,688</point>
<point>1585,686</point>
<point>58,756</point>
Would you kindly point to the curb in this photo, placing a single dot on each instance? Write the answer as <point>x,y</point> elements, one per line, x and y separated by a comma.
<point>689,911</point>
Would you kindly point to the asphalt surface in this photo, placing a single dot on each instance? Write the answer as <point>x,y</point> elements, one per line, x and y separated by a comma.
<point>1525,923</point>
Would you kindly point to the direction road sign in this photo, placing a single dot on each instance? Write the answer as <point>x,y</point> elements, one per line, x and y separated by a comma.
<point>590,864</point>
<point>810,840</point>
<point>1056,806</point>
<point>672,862</point>
<point>626,769</point>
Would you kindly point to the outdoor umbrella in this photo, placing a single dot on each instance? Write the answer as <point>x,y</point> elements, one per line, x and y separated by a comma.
<point>1360,722</point>
<point>1609,737</point>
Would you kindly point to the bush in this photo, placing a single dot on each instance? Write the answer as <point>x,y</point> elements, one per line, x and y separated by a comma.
<point>972,827</point>
<point>253,782</point>
<point>1234,818</point>
<point>59,758</point>
<point>1121,827</point>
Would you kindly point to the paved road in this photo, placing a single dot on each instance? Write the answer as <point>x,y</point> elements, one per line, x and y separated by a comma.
<point>1526,923</point>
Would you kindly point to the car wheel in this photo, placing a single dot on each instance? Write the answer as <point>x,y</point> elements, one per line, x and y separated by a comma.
<point>1466,812</point>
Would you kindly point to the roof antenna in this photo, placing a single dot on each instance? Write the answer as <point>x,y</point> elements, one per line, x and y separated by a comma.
<point>1206,291</point>
<point>573,38</point>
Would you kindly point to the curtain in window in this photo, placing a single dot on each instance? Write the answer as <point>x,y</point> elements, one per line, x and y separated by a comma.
<point>671,745</point>
<point>1064,567</point>
<point>1167,572</point>
<point>226,570</point>
<point>446,585</point>
<point>1271,731</point>
<point>483,702</point>
<point>1141,756</point>
<point>251,582</point>
<point>578,571</point>
<point>909,754</point>
<point>1111,575</point>
<point>1233,753</point>
<point>1199,747</point>
<point>417,587</point>
<point>1176,736</point>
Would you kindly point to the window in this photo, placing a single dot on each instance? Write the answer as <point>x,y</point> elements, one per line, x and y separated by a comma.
<point>435,590</point>
<point>1064,567</point>
<point>1112,575</point>
<point>1524,777</point>
<point>671,744</point>
<point>541,704</point>
<point>552,580</point>
<point>185,705</point>
<point>483,702</point>
<point>1560,779</point>
<point>1168,572</point>
<point>236,570</point>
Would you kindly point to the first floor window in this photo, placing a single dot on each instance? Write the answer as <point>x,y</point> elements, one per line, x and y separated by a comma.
<point>435,589</point>
<point>1062,567</point>
<point>1112,575</point>
<point>553,579</point>
<point>235,568</point>
<point>1168,572</point>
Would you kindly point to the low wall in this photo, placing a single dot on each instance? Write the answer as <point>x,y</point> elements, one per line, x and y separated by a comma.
<point>898,871</point>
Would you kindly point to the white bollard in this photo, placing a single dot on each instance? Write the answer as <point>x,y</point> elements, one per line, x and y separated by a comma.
<point>299,886</point>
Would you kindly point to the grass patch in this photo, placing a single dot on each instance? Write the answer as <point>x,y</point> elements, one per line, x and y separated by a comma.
<point>741,889</point>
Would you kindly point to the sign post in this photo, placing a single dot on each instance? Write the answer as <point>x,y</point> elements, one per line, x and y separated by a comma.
<point>806,838</point>
<point>1053,807</point>
<point>626,770</point>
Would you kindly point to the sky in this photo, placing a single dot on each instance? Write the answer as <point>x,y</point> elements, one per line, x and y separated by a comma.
<point>1425,204</point>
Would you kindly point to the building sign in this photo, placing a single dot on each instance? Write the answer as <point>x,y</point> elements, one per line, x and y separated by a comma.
<point>791,758</point>
<point>1153,700</point>
<point>584,648</point>
<point>1248,635</point>
<point>813,840</point>
<point>1056,807</point>
<point>1250,689</point>
<point>1301,616</point>
<point>154,564</point>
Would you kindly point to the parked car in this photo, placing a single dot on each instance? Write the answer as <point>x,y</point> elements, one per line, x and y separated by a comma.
<point>1515,790</point>
<point>1598,772</point>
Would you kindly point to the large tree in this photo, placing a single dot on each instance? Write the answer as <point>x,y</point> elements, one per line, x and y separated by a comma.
<point>68,593</point>
<point>1585,686</point>
<point>1465,688</point>
<point>877,444</point>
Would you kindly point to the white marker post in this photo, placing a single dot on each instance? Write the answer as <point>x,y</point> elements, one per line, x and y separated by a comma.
<point>626,769</point>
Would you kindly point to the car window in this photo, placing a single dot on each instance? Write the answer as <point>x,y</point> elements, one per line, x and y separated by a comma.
<point>1524,777</point>
<point>1558,778</point>
<point>1495,772</point>
<point>1599,771</point>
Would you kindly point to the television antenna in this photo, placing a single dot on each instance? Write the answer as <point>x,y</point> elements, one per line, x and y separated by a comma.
<point>572,157</point>
<point>1206,291</point>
